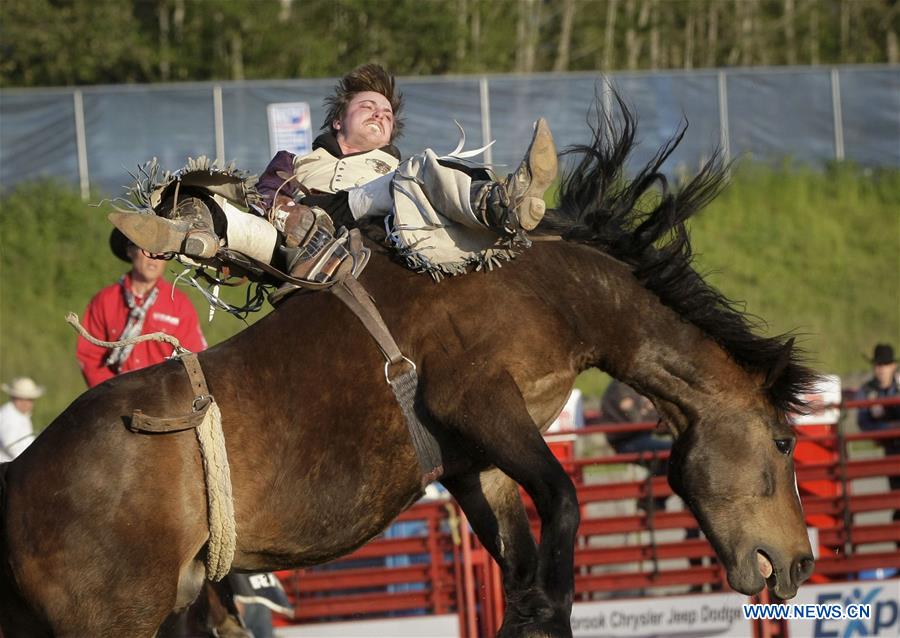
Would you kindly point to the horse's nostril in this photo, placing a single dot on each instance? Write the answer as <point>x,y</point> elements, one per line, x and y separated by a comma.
<point>802,568</point>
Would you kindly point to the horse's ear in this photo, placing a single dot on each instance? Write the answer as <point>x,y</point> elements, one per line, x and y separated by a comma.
<point>780,365</point>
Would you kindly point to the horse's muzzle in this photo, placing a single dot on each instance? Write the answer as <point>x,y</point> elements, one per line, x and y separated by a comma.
<point>764,567</point>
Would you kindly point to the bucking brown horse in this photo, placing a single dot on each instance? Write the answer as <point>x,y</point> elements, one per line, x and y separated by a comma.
<point>104,530</point>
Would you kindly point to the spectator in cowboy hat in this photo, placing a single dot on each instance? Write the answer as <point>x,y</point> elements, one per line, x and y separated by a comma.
<point>141,302</point>
<point>885,383</point>
<point>16,431</point>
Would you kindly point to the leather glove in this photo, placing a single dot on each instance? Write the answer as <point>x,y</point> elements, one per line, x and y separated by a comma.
<point>302,222</point>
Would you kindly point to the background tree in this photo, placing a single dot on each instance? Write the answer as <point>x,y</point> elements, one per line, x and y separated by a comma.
<point>68,42</point>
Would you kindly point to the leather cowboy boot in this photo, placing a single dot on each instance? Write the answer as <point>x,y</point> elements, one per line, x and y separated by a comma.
<point>188,230</point>
<point>518,203</point>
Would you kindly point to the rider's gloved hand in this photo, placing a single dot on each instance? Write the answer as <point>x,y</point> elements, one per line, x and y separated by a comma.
<point>302,222</point>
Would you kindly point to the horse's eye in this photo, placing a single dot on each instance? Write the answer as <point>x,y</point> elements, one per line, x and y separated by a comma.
<point>785,446</point>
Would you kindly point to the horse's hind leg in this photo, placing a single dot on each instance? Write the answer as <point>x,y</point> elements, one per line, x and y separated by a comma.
<point>85,597</point>
<point>16,616</point>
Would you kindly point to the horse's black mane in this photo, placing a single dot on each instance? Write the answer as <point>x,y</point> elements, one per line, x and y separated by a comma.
<point>645,228</point>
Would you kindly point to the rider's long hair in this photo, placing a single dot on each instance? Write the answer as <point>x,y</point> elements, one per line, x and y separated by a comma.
<point>368,77</point>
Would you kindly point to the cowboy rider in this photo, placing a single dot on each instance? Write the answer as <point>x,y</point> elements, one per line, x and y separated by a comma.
<point>354,171</point>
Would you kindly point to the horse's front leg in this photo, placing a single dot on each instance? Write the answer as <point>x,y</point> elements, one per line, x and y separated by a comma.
<point>556,501</point>
<point>494,508</point>
<point>498,426</point>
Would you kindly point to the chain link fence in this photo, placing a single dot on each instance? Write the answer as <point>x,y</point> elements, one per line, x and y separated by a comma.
<point>94,136</point>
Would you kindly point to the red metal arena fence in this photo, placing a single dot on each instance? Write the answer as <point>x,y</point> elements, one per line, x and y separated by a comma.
<point>430,568</point>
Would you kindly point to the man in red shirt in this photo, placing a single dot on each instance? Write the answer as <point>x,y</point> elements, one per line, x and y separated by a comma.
<point>141,302</point>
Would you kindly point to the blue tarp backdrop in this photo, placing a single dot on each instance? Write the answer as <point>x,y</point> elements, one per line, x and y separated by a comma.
<point>811,114</point>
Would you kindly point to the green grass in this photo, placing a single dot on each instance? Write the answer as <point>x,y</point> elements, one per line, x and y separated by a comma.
<point>818,252</point>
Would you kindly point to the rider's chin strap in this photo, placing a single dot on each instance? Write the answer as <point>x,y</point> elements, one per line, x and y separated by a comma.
<point>403,383</point>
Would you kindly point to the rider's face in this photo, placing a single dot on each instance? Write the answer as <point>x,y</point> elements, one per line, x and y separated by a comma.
<point>367,123</point>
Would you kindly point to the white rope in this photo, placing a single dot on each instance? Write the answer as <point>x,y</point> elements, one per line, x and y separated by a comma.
<point>72,319</point>
<point>220,502</point>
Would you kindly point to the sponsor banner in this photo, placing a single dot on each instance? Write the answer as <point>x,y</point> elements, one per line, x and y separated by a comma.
<point>881,596</point>
<point>443,626</point>
<point>290,127</point>
<point>701,615</point>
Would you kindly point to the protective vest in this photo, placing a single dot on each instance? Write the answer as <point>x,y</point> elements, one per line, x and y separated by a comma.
<point>321,171</point>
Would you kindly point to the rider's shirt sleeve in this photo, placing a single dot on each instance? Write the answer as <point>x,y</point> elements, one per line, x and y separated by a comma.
<point>273,179</point>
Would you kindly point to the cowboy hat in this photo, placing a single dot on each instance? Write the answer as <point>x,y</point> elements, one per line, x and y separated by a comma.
<point>22,388</point>
<point>883,355</point>
<point>118,244</point>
